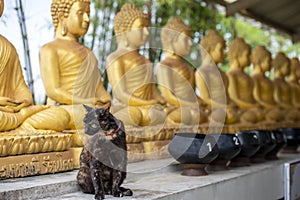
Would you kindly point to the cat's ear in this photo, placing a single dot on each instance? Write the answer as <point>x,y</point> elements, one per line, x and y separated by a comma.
<point>87,108</point>
<point>107,109</point>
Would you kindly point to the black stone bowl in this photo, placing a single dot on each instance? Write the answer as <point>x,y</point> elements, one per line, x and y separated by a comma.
<point>194,151</point>
<point>280,139</point>
<point>267,144</point>
<point>292,139</point>
<point>250,144</point>
<point>229,147</point>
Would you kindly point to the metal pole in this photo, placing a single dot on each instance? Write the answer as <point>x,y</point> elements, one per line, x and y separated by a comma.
<point>27,68</point>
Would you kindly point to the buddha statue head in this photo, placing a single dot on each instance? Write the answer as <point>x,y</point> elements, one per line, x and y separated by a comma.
<point>261,59</point>
<point>70,17</point>
<point>239,53</point>
<point>131,27</point>
<point>176,37</point>
<point>215,46</point>
<point>295,70</point>
<point>1,7</point>
<point>281,65</point>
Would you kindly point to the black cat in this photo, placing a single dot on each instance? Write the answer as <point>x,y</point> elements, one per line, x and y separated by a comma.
<point>103,160</point>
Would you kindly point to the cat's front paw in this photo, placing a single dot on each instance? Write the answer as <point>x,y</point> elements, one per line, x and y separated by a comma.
<point>99,196</point>
<point>117,193</point>
<point>126,192</point>
<point>122,192</point>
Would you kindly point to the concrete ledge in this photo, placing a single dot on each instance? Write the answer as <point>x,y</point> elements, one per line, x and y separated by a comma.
<point>161,179</point>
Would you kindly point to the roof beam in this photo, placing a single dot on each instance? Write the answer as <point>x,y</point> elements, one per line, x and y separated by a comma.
<point>221,2</point>
<point>239,6</point>
<point>266,21</point>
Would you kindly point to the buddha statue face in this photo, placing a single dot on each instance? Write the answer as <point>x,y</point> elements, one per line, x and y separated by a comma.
<point>214,44</point>
<point>79,18</point>
<point>261,59</point>
<point>266,64</point>
<point>239,53</point>
<point>295,68</point>
<point>176,37</point>
<point>77,22</point>
<point>281,65</point>
<point>139,33</point>
<point>218,53</point>
<point>131,27</point>
<point>285,70</point>
<point>1,7</point>
<point>297,72</point>
<point>182,45</point>
<point>71,17</point>
<point>244,58</point>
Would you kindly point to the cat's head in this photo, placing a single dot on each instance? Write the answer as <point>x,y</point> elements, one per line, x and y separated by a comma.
<point>97,119</point>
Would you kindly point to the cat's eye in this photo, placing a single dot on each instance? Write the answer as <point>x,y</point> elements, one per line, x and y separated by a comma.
<point>94,126</point>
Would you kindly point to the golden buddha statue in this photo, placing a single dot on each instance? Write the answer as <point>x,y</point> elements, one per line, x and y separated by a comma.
<point>283,94</point>
<point>136,98</point>
<point>212,82</point>
<point>241,84</point>
<point>294,81</point>
<point>16,103</point>
<point>263,87</point>
<point>25,128</point>
<point>176,77</point>
<point>69,69</point>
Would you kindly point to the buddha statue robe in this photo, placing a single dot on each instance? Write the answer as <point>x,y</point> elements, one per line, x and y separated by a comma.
<point>21,111</point>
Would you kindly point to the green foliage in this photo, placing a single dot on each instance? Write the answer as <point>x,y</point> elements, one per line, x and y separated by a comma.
<point>198,14</point>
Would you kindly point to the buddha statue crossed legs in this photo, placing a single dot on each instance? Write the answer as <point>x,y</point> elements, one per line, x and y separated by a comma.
<point>263,91</point>
<point>176,77</point>
<point>136,98</point>
<point>241,84</point>
<point>69,69</point>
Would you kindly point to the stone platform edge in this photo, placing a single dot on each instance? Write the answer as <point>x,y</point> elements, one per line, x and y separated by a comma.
<point>161,179</point>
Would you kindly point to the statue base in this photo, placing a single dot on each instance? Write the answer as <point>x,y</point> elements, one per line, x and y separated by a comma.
<point>156,149</point>
<point>215,128</point>
<point>135,152</point>
<point>240,161</point>
<point>218,165</point>
<point>76,151</point>
<point>293,139</point>
<point>35,164</point>
<point>194,170</point>
<point>290,150</point>
<point>19,143</point>
<point>258,158</point>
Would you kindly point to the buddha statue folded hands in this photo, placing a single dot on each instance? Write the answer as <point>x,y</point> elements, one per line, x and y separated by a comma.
<point>241,84</point>
<point>69,69</point>
<point>263,91</point>
<point>176,77</point>
<point>136,98</point>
